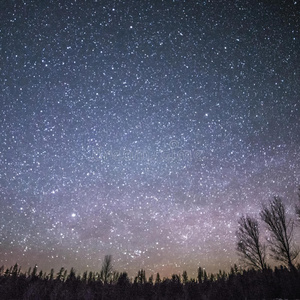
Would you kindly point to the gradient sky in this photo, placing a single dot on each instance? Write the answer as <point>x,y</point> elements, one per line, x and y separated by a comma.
<point>144,129</point>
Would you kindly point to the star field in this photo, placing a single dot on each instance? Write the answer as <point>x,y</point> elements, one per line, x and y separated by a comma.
<point>143,129</point>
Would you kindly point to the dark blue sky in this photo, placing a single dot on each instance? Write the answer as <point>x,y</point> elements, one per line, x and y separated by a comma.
<point>143,129</point>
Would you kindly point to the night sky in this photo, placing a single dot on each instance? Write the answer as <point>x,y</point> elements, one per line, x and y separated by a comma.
<point>144,129</point>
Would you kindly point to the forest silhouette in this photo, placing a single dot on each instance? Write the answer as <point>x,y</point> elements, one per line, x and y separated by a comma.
<point>255,280</point>
<point>236,284</point>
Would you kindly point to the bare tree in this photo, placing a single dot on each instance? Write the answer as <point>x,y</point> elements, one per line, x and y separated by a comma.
<point>298,206</point>
<point>298,212</point>
<point>106,269</point>
<point>281,229</point>
<point>249,247</point>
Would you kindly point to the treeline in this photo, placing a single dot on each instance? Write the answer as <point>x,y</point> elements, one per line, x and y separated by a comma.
<point>256,280</point>
<point>237,284</point>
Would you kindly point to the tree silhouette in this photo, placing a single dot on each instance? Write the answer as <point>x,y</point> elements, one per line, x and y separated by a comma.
<point>185,277</point>
<point>249,247</point>
<point>157,280</point>
<point>298,206</point>
<point>141,277</point>
<point>200,275</point>
<point>150,280</point>
<point>106,269</point>
<point>60,274</point>
<point>281,229</point>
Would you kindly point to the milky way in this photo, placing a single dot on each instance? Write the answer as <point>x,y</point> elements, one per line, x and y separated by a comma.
<point>144,129</point>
